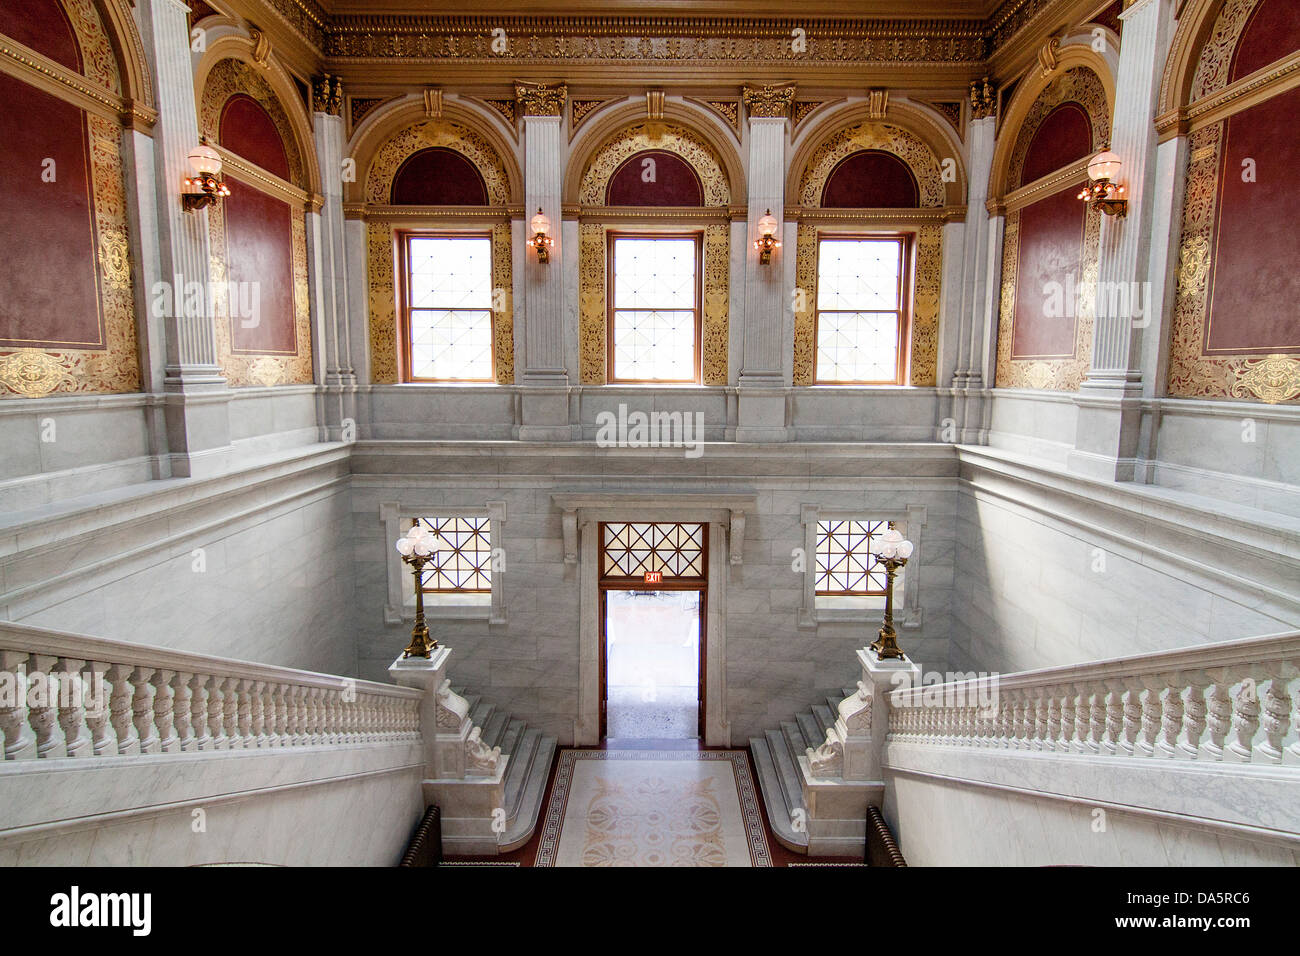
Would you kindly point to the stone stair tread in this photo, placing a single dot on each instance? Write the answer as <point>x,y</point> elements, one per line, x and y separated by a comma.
<point>510,738</point>
<point>794,736</point>
<point>813,731</point>
<point>778,814</point>
<point>480,715</point>
<point>524,821</point>
<point>849,692</point>
<point>494,728</point>
<point>787,770</point>
<point>517,770</point>
<point>825,716</point>
<point>834,704</point>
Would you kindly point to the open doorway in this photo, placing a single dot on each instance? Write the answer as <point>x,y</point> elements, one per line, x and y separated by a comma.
<point>653,663</point>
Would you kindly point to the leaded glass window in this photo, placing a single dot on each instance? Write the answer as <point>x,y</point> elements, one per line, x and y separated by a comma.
<point>861,310</point>
<point>465,564</point>
<point>654,308</point>
<point>845,558</point>
<point>448,308</point>
<point>633,548</point>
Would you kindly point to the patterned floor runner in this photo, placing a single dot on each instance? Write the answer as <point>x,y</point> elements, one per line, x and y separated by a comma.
<point>653,808</point>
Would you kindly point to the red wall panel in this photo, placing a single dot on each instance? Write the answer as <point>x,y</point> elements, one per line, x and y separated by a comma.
<point>1064,137</point>
<point>259,249</point>
<point>248,130</point>
<point>44,26</point>
<point>438,177</point>
<point>871,179</point>
<point>1255,287</point>
<point>1050,251</point>
<point>49,285</point>
<point>1272,32</point>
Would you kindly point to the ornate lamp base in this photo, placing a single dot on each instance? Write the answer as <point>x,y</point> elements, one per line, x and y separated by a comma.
<point>420,645</point>
<point>886,645</point>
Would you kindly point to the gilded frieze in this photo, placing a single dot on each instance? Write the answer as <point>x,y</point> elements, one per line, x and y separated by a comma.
<point>1214,64</point>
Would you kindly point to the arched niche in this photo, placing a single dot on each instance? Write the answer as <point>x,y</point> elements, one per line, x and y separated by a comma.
<point>415,144</point>
<point>698,174</point>
<point>1051,238</point>
<point>67,302</point>
<point>1232,86</point>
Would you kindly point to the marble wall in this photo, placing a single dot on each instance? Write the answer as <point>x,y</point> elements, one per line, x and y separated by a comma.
<point>530,662</point>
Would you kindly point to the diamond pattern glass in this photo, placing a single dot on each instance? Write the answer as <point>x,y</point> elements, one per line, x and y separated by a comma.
<point>656,309</point>
<point>859,309</point>
<point>467,566</point>
<point>449,303</point>
<point>631,549</point>
<point>845,556</point>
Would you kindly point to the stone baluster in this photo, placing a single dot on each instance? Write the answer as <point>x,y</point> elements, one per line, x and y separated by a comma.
<point>1113,735</point>
<point>247,735</point>
<point>333,727</point>
<point>1194,717</point>
<point>164,710</point>
<point>183,711</point>
<point>217,713</point>
<point>1171,717</point>
<point>1095,695</point>
<point>319,727</point>
<point>103,737</point>
<point>119,709</point>
<point>142,710</point>
<point>19,740</point>
<point>257,714</point>
<point>1292,755</point>
<point>1065,742</point>
<point>72,708</point>
<point>42,698</point>
<point>1082,719</point>
<point>1245,723</point>
<point>275,717</point>
<point>1020,720</point>
<point>1152,710</point>
<point>1277,713</point>
<point>1218,718</point>
<point>200,701</point>
<point>1128,745</point>
<point>301,736</point>
<point>1039,712</point>
<point>230,713</point>
<point>1053,722</point>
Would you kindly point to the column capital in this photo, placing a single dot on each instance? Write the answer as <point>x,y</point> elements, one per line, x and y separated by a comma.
<point>327,95</point>
<point>983,99</point>
<point>541,99</point>
<point>768,102</point>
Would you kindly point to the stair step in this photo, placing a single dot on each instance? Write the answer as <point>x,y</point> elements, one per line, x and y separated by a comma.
<point>517,770</point>
<point>834,704</point>
<point>472,701</point>
<point>778,813</point>
<point>787,770</point>
<point>813,731</point>
<point>519,829</point>
<point>480,715</point>
<point>794,737</point>
<point>510,739</point>
<point>825,716</point>
<point>494,728</point>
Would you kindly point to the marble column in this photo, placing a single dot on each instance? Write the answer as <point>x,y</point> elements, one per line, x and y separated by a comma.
<point>1109,417</point>
<point>335,361</point>
<point>545,405</point>
<point>198,428</point>
<point>761,414</point>
<point>970,380</point>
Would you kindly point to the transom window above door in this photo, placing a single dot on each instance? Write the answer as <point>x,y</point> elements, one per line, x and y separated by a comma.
<point>862,310</point>
<point>630,549</point>
<point>654,308</point>
<point>447,307</point>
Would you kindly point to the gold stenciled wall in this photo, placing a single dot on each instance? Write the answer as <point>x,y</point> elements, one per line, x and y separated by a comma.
<point>37,372</point>
<point>383,220</point>
<point>715,308</point>
<point>228,78</point>
<point>1082,86</point>
<point>1261,376</point>
<point>928,240</point>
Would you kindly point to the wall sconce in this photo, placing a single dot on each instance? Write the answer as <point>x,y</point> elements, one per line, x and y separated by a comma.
<point>542,241</point>
<point>766,241</point>
<point>1103,192</point>
<point>205,187</point>
<point>418,547</point>
<point>893,552</point>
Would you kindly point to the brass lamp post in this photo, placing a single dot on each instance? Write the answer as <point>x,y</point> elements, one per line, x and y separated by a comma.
<point>893,552</point>
<point>417,548</point>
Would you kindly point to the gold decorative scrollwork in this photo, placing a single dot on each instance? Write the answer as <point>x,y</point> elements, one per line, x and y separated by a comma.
<point>538,99</point>
<point>1214,63</point>
<point>1273,379</point>
<point>772,100</point>
<point>34,373</point>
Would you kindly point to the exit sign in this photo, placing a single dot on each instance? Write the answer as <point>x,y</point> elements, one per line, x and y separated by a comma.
<point>654,577</point>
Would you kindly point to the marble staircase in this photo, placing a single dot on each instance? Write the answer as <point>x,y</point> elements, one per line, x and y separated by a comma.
<point>528,768</point>
<point>776,758</point>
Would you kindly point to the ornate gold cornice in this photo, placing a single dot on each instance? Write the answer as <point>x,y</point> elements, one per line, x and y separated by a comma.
<point>540,99</point>
<point>769,101</point>
<point>443,214</point>
<point>901,217</point>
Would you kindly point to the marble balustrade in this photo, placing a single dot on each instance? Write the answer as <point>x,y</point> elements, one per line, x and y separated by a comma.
<point>1234,702</point>
<point>68,695</point>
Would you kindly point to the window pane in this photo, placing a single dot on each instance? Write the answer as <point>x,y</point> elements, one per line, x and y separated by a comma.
<point>857,346</point>
<point>465,561</point>
<point>451,345</point>
<point>451,273</point>
<point>654,273</point>
<point>655,309</point>
<point>860,275</point>
<point>846,562</point>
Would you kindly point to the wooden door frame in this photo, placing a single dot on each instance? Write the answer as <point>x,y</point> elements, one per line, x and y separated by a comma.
<point>701,620</point>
